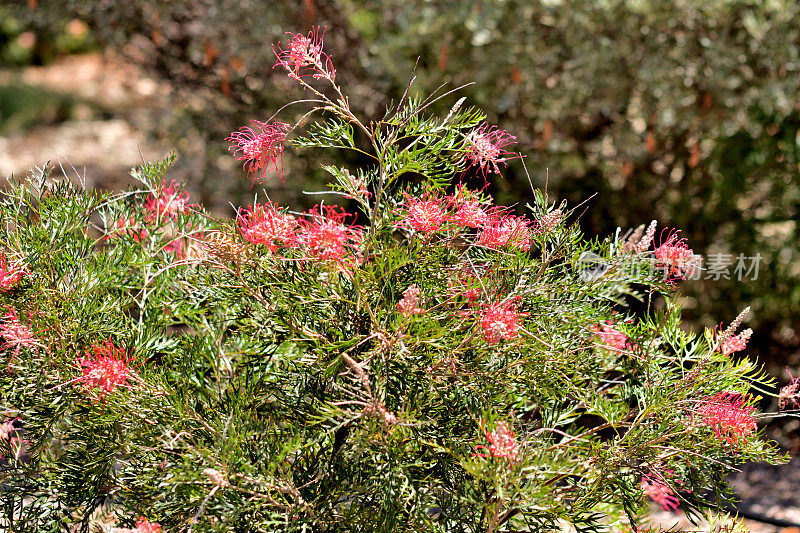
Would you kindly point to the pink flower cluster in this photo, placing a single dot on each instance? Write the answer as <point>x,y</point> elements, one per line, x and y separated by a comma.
<point>486,148</point>
<point>304,56</point>
<point>424,214</point>
<point>729,416</point>
<point>496,228</point>
<point>16,334</point>
<point>675,256</point>
<point>322,234</point>
<point>500,321</point>
<point>409,304</point>
<point>506,231</point>
<point>790,393</point>
<point>105,368</point>
<point>264,224</point>
<point>502,442</point>
<point>737,342</point>
<point>326,237</point>
<point>143,526</point>
<point>470,213</point>
<point>259,146</point>
<point>169,202</point>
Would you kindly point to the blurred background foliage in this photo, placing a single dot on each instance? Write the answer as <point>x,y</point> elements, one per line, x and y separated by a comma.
<point>685,111</point>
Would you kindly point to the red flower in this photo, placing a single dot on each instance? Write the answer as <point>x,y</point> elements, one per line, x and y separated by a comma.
<point>502,442</point>
<point>660,493</point>
<point>325,235</point>
<point>486,148</point>
<point>106,368</point>
<point>509,231</point>
<point>677,258</point>
<point>424,215</point>
<point>409,305</point>
<point>305,57</point>
<point>729,416</point>
<point>170,202</point>
<point>500,321</point>
<point>264,224</point>
<point>260,147</point>
<point>10,274</point>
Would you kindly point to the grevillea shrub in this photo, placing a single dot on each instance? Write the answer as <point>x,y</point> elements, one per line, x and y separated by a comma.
<point>406,356</point>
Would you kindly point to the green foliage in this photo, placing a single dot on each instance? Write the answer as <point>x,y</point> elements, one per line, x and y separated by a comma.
<point>683,111</point>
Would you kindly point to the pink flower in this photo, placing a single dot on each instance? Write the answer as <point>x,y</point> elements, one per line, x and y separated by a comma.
<point>471,211</point>
<point>790,393</point>
<point>502,442</point>
<point>511,231</point>
<point>471,214</point>
<point>737,342</point>
<point>16,334</point>
<point>143,526</point>
<point>326,237</point>
<point>677,258</point>
<point>170,202</point>
<point>611,338</point>
<point>264,224</point>
<point>10,274</point>
<point>424,214</point>
<point>409,305</point>
<point>106,368</point>
<point>305,57</point>
<point>6,429</point>
<point>660,493</point>
<point>500,321</point>
<point>729,416</point>
<point>486,148</point>
<point>260,146</point>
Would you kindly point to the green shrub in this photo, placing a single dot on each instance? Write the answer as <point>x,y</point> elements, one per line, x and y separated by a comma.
<point>430,362</point>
